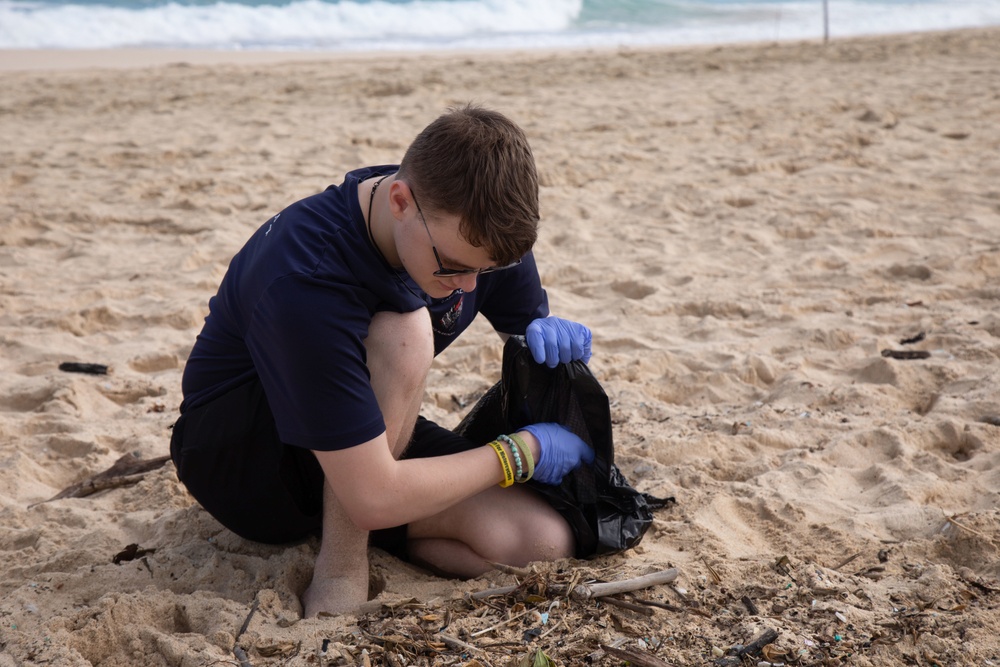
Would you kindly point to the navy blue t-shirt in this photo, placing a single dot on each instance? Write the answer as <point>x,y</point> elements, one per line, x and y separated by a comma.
<point>294,308</point>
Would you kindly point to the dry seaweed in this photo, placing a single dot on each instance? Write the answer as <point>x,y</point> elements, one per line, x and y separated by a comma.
<point>802,615</point>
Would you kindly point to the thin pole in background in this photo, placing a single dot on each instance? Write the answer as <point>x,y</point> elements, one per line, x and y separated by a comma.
<point>826,21</point>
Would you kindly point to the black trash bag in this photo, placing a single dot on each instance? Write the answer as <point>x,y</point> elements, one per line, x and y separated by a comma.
<point>606,514</point>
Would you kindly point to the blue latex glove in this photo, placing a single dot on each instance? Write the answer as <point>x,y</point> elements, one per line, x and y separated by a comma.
<point>561,451</point>
<point>555,341</point>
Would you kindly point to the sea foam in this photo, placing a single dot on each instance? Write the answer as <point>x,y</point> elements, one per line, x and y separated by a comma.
<point>360,25</point>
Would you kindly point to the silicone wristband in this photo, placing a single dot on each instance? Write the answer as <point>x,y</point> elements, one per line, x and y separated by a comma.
<point>508,474</point>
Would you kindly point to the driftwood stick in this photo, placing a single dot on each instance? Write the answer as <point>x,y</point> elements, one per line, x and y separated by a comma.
<point>123,472</point>
<point>585,592</point>
<point>636,658</point>
<point>626,585</point>
<point>754,647</point>
<point>631,606</point>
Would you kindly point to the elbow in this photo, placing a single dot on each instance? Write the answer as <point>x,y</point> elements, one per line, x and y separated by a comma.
<point>370,514</point>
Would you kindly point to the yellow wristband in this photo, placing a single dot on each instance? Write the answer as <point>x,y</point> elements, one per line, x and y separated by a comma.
<point>508,474</point>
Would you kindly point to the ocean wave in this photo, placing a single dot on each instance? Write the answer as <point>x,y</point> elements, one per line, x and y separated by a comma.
<point>308,24</point>
<point>372,25</point>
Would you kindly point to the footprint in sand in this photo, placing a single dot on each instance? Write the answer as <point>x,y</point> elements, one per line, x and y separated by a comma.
<point>126,391</point>
<point>631,289</point>
<point>154,362</point>
<point>912,271</point>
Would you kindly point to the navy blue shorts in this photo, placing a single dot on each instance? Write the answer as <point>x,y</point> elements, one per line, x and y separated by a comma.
<point>229,456</point>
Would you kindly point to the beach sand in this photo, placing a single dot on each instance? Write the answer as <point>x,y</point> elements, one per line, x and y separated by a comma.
<point>745,228</point>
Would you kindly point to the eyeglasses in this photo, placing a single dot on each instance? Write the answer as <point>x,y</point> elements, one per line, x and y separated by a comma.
<point>445,273</point>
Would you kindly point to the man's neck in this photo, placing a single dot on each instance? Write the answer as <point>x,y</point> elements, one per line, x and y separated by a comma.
<point>379,217</point>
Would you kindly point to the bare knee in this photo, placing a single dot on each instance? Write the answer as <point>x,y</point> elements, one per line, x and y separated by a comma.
<point>534,530</point>
<point>548,539</point>
<point>511,526</point>
<point>400,346</point>
<point>545,537</point>
<point>400,349</point>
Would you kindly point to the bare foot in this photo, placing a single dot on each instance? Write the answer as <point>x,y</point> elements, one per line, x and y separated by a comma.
<point>335,595</point>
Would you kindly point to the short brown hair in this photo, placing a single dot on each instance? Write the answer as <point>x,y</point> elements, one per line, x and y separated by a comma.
<point>476,163</point>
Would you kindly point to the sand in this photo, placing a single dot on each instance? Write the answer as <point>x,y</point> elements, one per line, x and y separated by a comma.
<point>745,228</point>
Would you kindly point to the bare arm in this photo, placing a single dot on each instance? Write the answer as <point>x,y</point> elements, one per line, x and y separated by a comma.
<point>377,491</point>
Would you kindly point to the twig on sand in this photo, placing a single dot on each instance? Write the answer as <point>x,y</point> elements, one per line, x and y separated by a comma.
<point>625,604</point>
<point>125,471</point>
<point>674,608</point>
<point>846,561</point>
<point>661,605</point>
<point>238,651</point>
<point>552,629</point>
<point>754,647</point>
<point>951,520</point>
<point>635,657</point>
<point>501,623</point>
<point>455,642</point>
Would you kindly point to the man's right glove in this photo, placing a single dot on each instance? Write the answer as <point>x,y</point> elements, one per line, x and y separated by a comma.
<point>561,451</point>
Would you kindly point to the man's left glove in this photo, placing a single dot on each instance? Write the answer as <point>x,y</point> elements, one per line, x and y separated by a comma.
<point>555,341</point>
<point>560,451</point>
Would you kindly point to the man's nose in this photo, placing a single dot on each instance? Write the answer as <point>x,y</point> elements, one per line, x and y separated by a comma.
<point>466,283</point>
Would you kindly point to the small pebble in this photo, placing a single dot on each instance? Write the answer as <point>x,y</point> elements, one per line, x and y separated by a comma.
<point>287,620</point>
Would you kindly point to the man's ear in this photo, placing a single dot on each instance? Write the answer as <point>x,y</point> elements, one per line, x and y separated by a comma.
<point>400,199</point>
